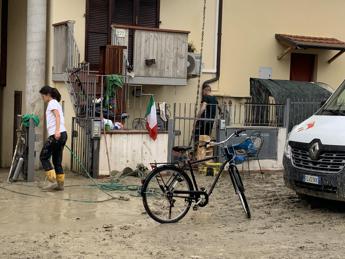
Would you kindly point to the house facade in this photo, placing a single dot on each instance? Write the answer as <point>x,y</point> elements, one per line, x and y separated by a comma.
<point>255,43</point>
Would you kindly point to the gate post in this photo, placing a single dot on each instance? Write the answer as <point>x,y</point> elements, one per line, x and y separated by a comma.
<point>287,115</point>
<point>31,155</point>
<point>171,138</point>
<point>96,134</point>
<point>220,133</point>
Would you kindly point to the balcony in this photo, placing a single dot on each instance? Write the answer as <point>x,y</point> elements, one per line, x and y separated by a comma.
<point>153,56</point>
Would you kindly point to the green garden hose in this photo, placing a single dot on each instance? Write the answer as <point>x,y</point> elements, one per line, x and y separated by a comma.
<point>114,185</point>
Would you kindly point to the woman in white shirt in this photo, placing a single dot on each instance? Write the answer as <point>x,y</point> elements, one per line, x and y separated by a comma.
<point>56,141</point>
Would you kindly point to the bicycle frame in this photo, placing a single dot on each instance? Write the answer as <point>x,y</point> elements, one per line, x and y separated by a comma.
<point>196,193</point>
<point>215,181</point>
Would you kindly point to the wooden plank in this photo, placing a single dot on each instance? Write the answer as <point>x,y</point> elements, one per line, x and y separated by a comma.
<point>286,51</point>
<point>336,56</point>
<point>140,28</point>
<point>169,51</point>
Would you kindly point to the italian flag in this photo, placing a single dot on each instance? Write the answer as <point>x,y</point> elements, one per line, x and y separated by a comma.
<point>151,119</point>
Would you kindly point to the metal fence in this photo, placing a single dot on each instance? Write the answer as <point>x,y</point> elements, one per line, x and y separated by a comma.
<point>187,127</point>
<point>288,114</point>
<point>300,110</point>
<point>82,87</point>
<point>256,114</point>
<point>81,145</point>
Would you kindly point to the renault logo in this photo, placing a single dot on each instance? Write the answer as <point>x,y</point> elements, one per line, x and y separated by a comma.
<point>314,151</point>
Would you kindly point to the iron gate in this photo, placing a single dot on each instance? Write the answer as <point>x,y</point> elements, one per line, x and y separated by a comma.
<point>81,145</point>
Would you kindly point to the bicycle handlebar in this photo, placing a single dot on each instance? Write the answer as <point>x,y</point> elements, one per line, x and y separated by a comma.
<point>236,134</point>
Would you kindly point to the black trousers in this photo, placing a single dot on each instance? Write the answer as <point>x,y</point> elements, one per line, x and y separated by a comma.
<point>53,148</point>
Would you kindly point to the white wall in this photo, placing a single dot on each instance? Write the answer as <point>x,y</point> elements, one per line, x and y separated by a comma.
<point>128,150</point>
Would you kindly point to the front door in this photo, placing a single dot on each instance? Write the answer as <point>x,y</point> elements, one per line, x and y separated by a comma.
<point>302,67</point>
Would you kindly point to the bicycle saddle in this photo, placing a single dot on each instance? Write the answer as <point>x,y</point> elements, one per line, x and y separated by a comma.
<point>181,148</point>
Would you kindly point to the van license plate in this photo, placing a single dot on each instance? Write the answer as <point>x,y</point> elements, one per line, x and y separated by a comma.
<point>312,179</point>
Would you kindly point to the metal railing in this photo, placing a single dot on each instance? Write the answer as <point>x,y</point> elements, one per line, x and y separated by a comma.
<point>186,127</point>
<point>256,114</point>
<point>82,87</point>
<point>81,145</point>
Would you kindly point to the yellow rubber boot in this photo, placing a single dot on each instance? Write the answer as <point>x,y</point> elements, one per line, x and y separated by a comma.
<point>60,179</point>
<point>51,176</point>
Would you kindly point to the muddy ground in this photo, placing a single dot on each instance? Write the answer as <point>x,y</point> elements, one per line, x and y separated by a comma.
<point>282,226</point>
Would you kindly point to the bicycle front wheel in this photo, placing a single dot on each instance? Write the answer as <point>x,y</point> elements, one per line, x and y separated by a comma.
<point>166,194</point>
<point>239,189</point>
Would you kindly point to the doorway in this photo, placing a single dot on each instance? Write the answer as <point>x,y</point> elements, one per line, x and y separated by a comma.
<point>16,111</point>
<point>302,67</point>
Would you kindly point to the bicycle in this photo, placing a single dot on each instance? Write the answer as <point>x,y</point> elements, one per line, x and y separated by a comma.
<point>18,156</point>
<point>168,192</point>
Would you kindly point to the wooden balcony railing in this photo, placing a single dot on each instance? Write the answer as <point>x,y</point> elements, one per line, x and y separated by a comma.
<point>156,56</point>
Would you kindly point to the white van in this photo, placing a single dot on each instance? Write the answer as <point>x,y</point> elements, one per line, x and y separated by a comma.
<point>314,156</point>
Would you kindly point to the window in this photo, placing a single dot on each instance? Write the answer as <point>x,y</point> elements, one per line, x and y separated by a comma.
<point>102,13</point>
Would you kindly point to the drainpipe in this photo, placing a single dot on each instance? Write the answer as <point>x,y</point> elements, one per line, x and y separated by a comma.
<point>36,38</point>
<point>219,45</point>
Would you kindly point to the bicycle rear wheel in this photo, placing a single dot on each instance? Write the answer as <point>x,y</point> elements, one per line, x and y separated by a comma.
<point>165,194</point>
<point>239,189</point>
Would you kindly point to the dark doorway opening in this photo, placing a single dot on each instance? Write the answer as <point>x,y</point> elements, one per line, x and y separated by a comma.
<point>17,111</point>
<point>302,67</point>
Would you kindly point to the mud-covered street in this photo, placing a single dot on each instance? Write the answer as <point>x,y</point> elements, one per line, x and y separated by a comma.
<point>282,225</point>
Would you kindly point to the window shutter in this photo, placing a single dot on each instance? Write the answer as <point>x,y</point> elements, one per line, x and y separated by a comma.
<point>148,13</point>
<point>123,12</point>
<point>128,12</point>
<point>97,30</point>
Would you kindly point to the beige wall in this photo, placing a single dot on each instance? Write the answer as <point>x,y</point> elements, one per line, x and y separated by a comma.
<point>248,37</point>
<point>59,11</point>
<point>248,43</point>
<point>16,69</point>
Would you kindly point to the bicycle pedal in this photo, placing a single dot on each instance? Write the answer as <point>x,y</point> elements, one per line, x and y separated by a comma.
<point>195,207</point>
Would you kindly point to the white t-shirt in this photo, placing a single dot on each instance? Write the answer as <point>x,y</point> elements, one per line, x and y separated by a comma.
<point>51,120</point>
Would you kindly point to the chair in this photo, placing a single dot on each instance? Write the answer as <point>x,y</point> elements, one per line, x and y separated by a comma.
<point>258,141</point>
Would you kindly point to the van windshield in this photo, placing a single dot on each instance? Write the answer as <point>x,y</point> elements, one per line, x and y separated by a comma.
<point>336,104</point>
